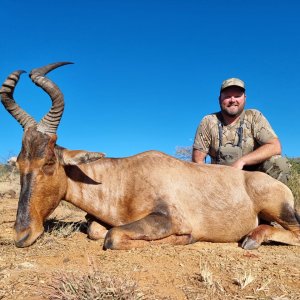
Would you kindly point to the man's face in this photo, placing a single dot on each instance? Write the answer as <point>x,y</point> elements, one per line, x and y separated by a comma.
<point>232,101</point>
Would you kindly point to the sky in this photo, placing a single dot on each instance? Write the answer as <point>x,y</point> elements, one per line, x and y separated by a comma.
<point>146,72</point>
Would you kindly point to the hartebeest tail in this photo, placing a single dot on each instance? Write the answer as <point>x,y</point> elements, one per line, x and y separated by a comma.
<point>149,197</point>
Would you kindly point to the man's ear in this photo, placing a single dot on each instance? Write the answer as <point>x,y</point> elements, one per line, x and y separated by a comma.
<point>77,157</point>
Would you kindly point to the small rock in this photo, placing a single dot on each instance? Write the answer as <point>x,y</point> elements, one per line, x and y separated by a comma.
<point>26,265</point>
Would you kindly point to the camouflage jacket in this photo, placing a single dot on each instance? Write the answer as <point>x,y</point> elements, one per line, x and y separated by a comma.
<point>256,131</point>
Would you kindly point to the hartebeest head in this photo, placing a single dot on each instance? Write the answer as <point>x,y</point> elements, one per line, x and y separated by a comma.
<point>41,162</point>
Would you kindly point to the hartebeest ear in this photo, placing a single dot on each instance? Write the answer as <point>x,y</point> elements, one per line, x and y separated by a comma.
<point>49,163</point>
<point>76,157</point>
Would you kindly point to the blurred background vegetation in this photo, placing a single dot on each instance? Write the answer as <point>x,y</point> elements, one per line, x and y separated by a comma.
<point>294,181</point>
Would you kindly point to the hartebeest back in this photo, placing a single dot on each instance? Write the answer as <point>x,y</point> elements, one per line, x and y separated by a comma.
<point>147,197</point>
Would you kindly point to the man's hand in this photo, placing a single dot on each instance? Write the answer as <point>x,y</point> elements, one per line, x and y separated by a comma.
<point>239,164</point>
<point>259,155</point>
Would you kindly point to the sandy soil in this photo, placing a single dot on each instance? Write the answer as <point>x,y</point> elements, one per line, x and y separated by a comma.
<point>198,271</point>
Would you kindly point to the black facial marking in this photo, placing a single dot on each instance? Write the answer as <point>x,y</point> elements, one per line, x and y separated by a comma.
<point>23,216</point>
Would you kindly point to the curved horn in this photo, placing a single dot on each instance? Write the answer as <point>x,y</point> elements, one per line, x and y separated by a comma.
<point>51,120</point>
<point>7,99</point>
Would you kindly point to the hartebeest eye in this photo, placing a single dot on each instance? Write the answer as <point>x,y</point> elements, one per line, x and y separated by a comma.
<point>49,167</point>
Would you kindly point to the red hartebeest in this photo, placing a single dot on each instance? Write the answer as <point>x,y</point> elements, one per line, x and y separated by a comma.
<point>147,197</point>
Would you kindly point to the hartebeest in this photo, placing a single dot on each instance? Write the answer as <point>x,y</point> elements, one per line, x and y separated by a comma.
<point>147,197</point>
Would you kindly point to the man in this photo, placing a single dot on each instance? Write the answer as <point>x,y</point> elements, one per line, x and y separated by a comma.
<point>240,138</point>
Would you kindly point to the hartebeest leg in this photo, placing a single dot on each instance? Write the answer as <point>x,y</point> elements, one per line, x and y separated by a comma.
<point>264,233</point>
<point>156,227</point>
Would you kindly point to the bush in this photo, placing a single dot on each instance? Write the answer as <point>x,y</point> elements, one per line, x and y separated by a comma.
<point>7,172</point>
<point>294,181</point>
<point>184,153</point>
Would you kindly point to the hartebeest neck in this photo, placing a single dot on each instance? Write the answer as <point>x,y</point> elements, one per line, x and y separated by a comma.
<point>98,188</point>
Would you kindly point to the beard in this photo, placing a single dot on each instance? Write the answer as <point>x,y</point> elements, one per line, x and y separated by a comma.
<point>232,111</point>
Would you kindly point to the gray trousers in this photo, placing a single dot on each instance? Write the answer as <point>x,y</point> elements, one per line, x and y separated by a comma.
<point>277,167</point>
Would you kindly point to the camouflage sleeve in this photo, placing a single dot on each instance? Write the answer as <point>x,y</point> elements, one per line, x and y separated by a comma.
<point>262,129</point>
<point>203,137</point>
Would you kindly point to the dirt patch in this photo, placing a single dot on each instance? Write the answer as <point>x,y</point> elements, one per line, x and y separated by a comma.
<point>64,257</point>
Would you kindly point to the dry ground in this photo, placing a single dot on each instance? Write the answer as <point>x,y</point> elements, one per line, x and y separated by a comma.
<point>64,263</point>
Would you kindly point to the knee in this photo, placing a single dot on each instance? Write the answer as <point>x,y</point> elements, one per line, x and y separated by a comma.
<point>96,231</point>
<point>277,167</point>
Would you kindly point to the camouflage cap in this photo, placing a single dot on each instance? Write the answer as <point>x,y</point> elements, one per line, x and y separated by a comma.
<point>232,82</point>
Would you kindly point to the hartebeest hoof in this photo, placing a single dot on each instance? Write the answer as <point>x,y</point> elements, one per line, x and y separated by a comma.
<point>249,244</point>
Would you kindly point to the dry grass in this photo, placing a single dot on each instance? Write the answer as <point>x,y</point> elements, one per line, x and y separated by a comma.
<point>243,280</point>
<point>203,285</point>
<point>238,281</point>
<point>92,286</point>
<point>264,286</point>
<point>63,229</point>
<point>205,274</point>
